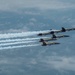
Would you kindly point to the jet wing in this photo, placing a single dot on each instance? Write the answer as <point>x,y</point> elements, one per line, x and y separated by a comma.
<point>62,36</point>
<point>58,31</point>
<point>47,39</point>
<point>50,43</point>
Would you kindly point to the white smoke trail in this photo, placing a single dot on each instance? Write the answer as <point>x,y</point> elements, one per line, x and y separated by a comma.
<point>22,34</point>
<point>20,46</point>
<point>14,43</point>
<point>15,40</point>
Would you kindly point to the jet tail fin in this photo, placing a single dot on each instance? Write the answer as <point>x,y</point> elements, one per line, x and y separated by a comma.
<point>63,29</point>
<point>41,40</point>
<point>44,43</point>
<point>54,36</point>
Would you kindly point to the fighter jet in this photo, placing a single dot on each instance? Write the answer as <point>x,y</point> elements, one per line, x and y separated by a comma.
<point>60,36</point>
<point>50,43</point>
<point>54,37</point>
<point>56,31</point>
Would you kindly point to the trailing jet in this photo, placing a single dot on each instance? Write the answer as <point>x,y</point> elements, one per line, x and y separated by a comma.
<point>60,36</point>
<point>54,37</point>
<point>56,31</point>
<point>50,43</point>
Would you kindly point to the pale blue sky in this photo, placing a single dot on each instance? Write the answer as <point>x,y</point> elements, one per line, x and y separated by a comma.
<point>10,5</point>
<point>37,60</point>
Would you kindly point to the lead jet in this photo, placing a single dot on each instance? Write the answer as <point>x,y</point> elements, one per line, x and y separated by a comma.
<point>56,31</point>
<point>49,43</point>
<point>54,37</point>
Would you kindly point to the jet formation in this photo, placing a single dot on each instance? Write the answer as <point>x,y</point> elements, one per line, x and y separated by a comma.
<point>45,41</point>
